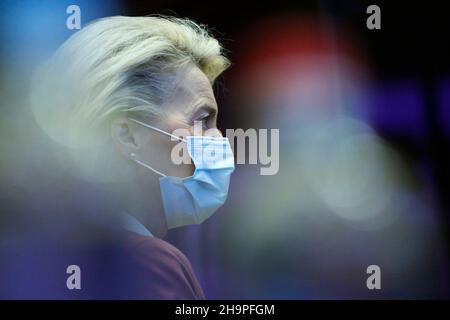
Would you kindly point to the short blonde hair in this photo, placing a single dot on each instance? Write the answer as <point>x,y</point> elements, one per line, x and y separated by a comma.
<point>118,64</point>
<point>113,66</point>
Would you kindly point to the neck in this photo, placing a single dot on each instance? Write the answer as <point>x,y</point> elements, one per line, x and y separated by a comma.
<point>143,201</point>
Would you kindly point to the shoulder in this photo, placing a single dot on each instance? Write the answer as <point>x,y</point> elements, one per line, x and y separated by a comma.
<point>165,270</point>
<point>153,245</point>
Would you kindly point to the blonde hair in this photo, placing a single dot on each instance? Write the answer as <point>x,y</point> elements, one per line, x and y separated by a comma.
<point>115,65</point>
<point>119,64</point>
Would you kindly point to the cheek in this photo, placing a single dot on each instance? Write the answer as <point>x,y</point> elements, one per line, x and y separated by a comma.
<point>182,169</point>
<point>156,151</point>
<point>158,154</point>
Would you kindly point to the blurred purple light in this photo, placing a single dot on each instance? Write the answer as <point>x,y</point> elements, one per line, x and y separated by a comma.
<point>397,108</point>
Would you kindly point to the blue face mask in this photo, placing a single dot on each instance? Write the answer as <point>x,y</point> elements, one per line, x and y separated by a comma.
<point>194,199</point>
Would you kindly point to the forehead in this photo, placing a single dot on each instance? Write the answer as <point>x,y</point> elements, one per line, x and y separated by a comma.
<point>192,90</point>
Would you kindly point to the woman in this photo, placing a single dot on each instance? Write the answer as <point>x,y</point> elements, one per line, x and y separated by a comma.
<point>116,95</point>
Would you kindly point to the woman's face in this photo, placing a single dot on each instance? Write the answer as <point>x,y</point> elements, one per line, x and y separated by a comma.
<point>192,100</point>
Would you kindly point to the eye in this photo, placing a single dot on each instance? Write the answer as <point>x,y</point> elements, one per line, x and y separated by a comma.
<point>204,117</point>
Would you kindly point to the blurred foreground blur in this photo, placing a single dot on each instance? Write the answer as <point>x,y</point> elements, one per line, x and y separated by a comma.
<point>364,133</point>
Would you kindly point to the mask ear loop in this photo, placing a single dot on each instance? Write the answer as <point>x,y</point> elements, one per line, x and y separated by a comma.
<point>133,157</point>
<point>158,130</point>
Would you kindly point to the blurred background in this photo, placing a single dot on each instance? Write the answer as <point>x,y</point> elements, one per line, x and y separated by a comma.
<point>364,120</point>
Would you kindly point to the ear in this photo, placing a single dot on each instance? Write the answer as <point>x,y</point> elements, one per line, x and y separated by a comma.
<point>123,134</point>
